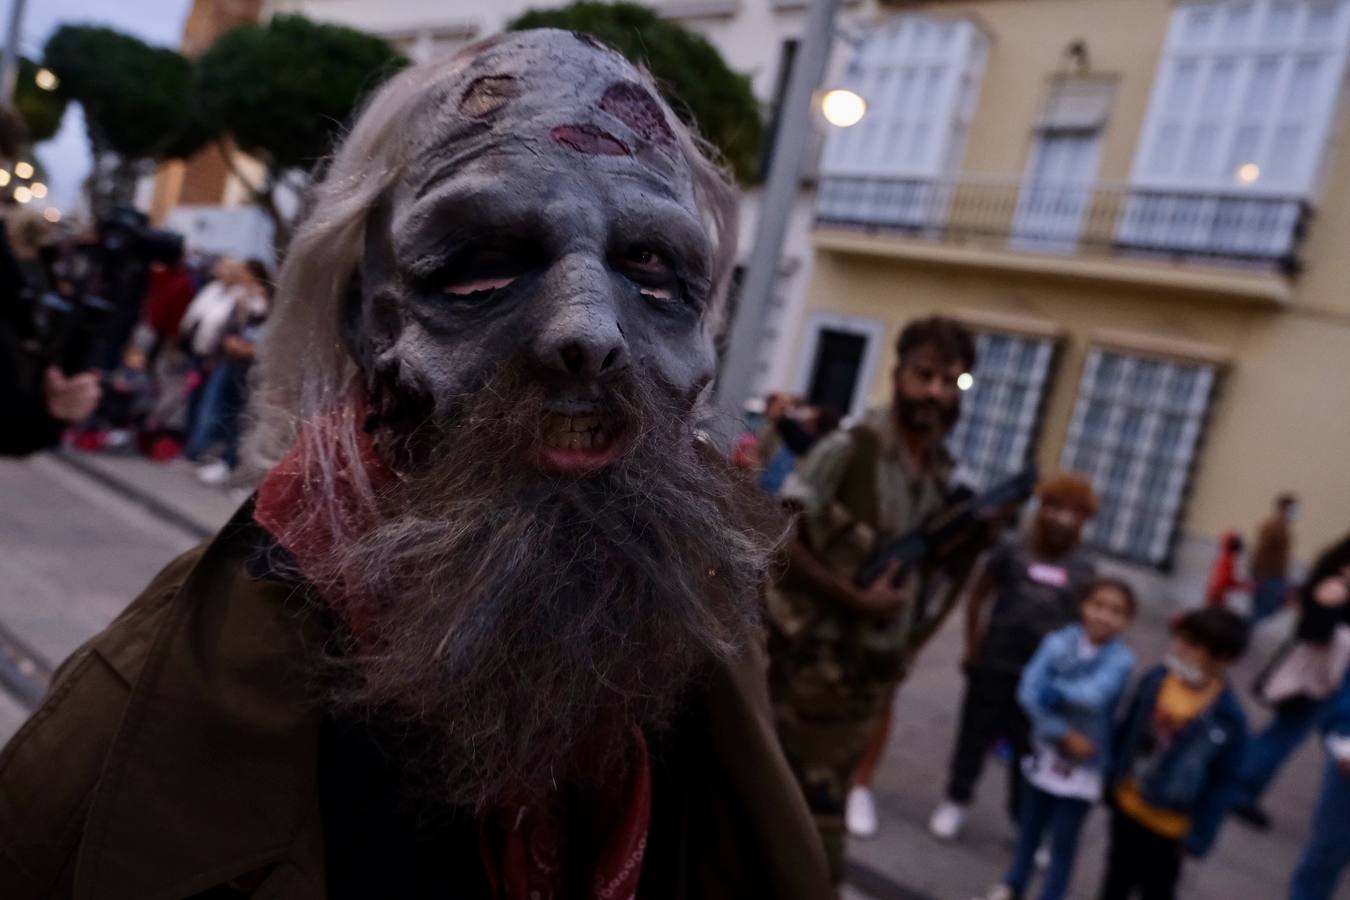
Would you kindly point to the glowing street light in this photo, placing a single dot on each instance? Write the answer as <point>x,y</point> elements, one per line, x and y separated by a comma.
<point>46,79</point>
<point>1248,173</point>
<point>965,381</point>
<point>4,177</point>
<point>842,108</point>
<point>39,189</point>
<point>22,194</point>
<point>52,214</point>
<point>23,169</point>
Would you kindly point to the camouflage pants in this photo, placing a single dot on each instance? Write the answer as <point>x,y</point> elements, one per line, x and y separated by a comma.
<point>824,757</point>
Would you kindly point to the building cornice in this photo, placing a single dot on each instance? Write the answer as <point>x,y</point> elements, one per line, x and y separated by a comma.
<point>1260,287</point>
<point>1144,344</point>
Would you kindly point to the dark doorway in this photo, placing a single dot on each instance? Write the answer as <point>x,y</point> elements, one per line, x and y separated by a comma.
<point>835,372</point>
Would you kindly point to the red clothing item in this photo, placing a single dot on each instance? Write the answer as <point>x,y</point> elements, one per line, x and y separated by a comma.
<point>166,299</point>
<point>1224,576</point>
<point>522,846</point>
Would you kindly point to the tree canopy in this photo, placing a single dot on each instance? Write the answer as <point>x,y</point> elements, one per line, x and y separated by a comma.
<point>136,97</point>
<point>284,90</point>
<point>40,109</point>
<point>700,86</point>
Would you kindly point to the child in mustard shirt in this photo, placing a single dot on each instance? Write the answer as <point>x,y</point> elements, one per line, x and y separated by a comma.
<point>1176,760</point>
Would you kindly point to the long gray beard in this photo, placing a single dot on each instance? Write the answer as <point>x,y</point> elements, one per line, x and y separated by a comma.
<point>526,623</point>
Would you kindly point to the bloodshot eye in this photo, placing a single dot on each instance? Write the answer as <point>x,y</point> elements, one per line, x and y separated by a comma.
<point>651,271</point>
<point>482,270</point>
<point>478,285</point>
<point>647,259</point>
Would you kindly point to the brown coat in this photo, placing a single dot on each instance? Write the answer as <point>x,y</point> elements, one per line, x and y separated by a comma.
<point>175,756</point>
<point>1271,558</point>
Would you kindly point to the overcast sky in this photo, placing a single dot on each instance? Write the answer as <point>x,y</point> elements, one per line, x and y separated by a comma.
<point>66,156</point>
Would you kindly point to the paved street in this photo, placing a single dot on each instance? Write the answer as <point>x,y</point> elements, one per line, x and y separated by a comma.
<point>74,552</point>
<point>76,544</point>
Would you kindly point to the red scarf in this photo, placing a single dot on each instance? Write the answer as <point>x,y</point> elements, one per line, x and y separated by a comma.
<point>522,846</point>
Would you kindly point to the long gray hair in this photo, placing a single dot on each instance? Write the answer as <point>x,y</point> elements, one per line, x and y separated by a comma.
<point>304,369</point>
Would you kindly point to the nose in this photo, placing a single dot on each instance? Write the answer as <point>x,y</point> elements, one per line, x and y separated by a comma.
<point>579,335</point>
<point>585,341</point>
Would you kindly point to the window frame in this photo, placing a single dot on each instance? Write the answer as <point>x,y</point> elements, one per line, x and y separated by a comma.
<point>983,475</point>
<point>1319,119</point>
<point>1122,508</point>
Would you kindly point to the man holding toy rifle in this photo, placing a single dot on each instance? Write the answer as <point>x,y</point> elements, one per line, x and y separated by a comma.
<point>879,557</point>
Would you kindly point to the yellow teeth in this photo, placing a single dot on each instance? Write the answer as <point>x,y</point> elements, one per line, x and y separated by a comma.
<point>575,432</point>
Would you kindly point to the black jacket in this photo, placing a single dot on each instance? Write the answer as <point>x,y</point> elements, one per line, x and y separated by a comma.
<point>25,425</point>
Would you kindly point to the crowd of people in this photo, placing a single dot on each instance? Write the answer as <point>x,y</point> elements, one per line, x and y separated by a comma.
<point>175,385</point>
<point>1046,659</point>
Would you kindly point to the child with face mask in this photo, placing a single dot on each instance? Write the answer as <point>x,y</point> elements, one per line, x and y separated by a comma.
<point>1176,758</point>
<point>1069,690</point>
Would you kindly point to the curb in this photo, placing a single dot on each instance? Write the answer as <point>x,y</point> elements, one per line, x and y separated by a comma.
<point>24,674</point>
<point>148,502</point>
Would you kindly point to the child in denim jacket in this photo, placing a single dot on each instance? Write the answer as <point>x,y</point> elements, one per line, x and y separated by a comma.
<point>1176,759</point>
<point>1069,690</point>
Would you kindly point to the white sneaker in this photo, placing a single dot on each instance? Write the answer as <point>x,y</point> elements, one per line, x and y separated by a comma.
<point>860,814</point>
<point>213,473</point>
<point>947,820</point>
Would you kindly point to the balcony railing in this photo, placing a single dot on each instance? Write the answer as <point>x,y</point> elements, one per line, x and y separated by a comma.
<point>1089,219</point>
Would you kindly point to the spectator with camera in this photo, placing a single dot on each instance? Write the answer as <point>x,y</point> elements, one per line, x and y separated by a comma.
<point>40,402</point>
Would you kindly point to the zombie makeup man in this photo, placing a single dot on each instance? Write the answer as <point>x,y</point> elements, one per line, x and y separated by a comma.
<point>489,626</point>
<point>529,326</point>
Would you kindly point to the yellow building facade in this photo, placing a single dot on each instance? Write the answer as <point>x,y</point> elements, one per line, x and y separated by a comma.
<point>1143,208</point>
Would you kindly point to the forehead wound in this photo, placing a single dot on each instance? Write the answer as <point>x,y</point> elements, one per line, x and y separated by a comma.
<point>632,105</point>
<point>562,89</point>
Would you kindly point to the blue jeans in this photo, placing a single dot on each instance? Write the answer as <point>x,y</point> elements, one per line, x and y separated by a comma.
<point>218,416</point>
<point>1268,598</point>
<point>1064,817</point>
<point>1267,751</point>
<point>1328,850</point>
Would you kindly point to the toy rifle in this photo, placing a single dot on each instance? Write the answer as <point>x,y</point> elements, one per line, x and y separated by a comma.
<point>960,530</point>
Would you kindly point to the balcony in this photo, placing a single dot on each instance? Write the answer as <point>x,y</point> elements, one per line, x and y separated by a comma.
<point>1101,221</point>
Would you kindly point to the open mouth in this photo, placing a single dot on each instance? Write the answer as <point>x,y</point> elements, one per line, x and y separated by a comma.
<point>579,443</point>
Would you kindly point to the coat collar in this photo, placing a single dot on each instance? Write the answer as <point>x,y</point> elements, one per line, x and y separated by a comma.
<point>211,775</point>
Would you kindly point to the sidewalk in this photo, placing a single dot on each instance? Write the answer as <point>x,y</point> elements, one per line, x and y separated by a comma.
<point>1245,865</point>
<point>168,490</point>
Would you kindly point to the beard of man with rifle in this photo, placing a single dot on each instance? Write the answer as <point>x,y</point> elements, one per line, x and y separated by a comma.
<point>839,647</point>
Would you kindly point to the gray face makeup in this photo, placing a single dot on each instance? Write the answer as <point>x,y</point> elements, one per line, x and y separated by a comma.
<point>548,217</point>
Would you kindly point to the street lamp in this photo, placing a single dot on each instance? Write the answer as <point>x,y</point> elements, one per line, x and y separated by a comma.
<point>4,177</point>
<point>842,108</point>
<point>52,214</point>
<point>46,79</point>
<point>22,194</point>
<point>39,189</point>
<point>23,169</point>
